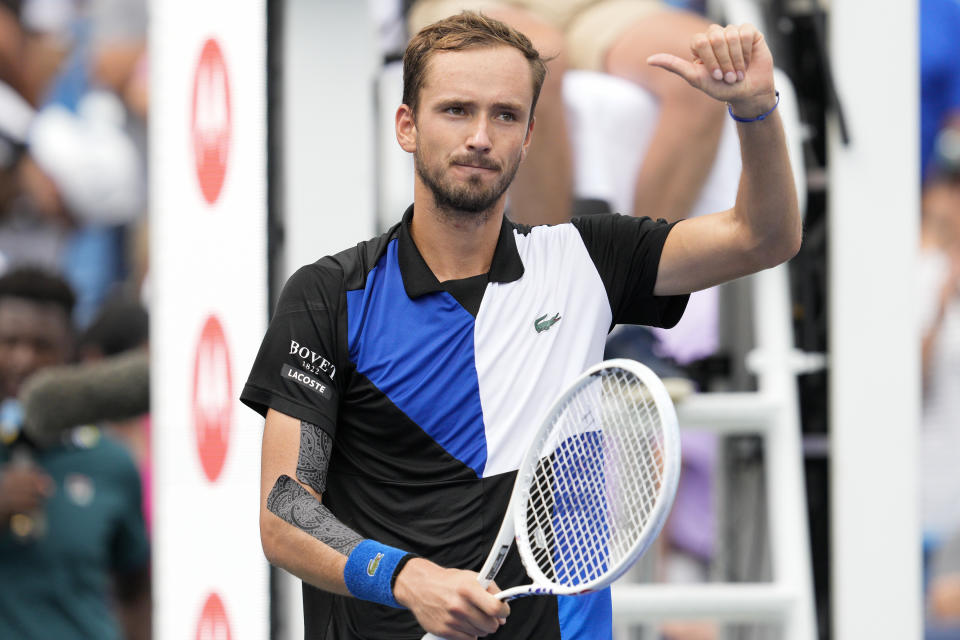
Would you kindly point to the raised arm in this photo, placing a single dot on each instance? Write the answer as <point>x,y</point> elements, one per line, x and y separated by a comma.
<point>301,535</point>
<point>763,229</point>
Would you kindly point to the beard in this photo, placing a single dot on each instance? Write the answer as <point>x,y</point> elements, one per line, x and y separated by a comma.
<point>468,199</point>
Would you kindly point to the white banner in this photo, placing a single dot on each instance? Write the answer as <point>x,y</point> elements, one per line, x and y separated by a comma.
<point>208,127</point>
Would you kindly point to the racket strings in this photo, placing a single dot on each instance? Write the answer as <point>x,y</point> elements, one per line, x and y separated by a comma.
<point>644,452</point>
<point>598,483</point>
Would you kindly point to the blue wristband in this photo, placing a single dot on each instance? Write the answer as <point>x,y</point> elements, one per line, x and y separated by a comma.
<point>762,116</point>
<point>369,572</point>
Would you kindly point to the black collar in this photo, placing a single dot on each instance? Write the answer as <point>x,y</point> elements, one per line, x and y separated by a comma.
<point>418,280</point>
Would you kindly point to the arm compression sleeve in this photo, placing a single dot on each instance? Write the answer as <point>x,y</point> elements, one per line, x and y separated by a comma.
<point>316,445</point>
<point>293,504</point>
<point>371,567</point>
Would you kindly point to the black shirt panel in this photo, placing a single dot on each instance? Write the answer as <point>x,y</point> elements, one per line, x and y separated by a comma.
<point>419,280</point>
<point>330,617</point>
<point>468,291</point>
<point>413,495</point>
<point>626,252</point>
<point>300,367</point>
<point>356,262</point>
<point>377,440</point>
<point>303,365</point>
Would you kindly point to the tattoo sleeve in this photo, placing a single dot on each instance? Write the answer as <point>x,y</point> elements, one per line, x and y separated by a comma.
<point>315,448</point>
<point>293,504</point>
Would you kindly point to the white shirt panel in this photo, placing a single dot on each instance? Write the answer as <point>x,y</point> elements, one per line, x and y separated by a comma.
<point>521,371</point>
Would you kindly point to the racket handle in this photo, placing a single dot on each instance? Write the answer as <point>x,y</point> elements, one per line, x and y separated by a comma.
<point>483,583</point>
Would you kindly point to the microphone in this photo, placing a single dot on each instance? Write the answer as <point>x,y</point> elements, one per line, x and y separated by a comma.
<point>56,399</point>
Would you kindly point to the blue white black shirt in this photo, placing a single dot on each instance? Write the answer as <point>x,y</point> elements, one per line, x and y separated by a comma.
<point>432,391</point>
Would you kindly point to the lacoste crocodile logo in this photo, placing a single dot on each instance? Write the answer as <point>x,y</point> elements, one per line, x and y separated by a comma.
<point>541,324</point>
<point>373,564</point>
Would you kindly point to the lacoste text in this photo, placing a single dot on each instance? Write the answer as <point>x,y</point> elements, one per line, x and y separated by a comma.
<point>306,380</point>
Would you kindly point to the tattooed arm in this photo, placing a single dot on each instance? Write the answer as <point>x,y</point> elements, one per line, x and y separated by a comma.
<point>298,533</point>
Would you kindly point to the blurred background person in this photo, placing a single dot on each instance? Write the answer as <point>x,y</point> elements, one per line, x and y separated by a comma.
<point>121,325</point>
<point>939,291</point>
<point>943,610</point>
<point>74,559</point>
<point>80,199</point>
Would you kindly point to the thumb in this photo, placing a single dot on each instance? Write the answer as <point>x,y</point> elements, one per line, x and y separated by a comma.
<point>675,64</point>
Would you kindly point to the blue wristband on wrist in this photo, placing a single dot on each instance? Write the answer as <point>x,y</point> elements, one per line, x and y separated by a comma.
<point>762,116</point>
<point>370,571</point>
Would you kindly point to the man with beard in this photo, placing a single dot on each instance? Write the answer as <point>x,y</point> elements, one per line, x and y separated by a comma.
<point>404,378</point>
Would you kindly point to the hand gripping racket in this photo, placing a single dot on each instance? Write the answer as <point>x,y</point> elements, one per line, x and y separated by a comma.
<point>595,486</point>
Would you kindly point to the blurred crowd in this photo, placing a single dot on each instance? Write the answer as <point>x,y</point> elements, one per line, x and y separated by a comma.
<point>74,552</point>
<point>73,108</point>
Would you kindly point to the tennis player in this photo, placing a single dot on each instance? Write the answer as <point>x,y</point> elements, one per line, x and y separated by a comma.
<point>402,379</point>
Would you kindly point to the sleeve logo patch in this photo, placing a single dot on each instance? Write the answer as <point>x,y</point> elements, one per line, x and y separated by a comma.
<point>311,360</point>
<point>374,564</point>
<point>305,379</point>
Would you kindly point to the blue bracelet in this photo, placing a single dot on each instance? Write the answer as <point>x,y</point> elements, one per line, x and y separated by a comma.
<point>370,572</point>
<point>762,116</point>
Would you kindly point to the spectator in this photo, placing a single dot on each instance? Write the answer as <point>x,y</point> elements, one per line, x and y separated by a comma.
<point>123,325</point>
<point>615,36</point>
<point>82,179</point>
<point>940,321</point>
<point>944,595</point>
<point>55,578</point>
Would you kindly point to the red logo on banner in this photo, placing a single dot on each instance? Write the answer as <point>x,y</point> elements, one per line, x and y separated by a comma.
<point>212,398</point>
<point>210,120</point>
<point>213,624</point>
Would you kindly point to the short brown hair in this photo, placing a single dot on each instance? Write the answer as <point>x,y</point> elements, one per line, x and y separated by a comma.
<point>466,30</point>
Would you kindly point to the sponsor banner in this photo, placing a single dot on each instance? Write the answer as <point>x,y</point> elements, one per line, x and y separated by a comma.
<point>213,398</point>
<point>208,312</point>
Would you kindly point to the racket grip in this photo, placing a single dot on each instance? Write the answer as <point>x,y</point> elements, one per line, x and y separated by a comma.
<point>483,583</point>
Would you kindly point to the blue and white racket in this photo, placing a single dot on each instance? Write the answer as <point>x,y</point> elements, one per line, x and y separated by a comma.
<point>596,485</point>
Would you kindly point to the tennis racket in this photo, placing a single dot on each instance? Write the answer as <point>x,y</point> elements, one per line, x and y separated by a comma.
<point>595,486</point>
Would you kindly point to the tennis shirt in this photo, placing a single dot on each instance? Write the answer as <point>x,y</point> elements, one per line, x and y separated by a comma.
<point>432,392</point>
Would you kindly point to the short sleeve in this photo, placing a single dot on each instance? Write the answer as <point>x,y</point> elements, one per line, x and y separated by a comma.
<point>298,368</point>
<point>626,252</point>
